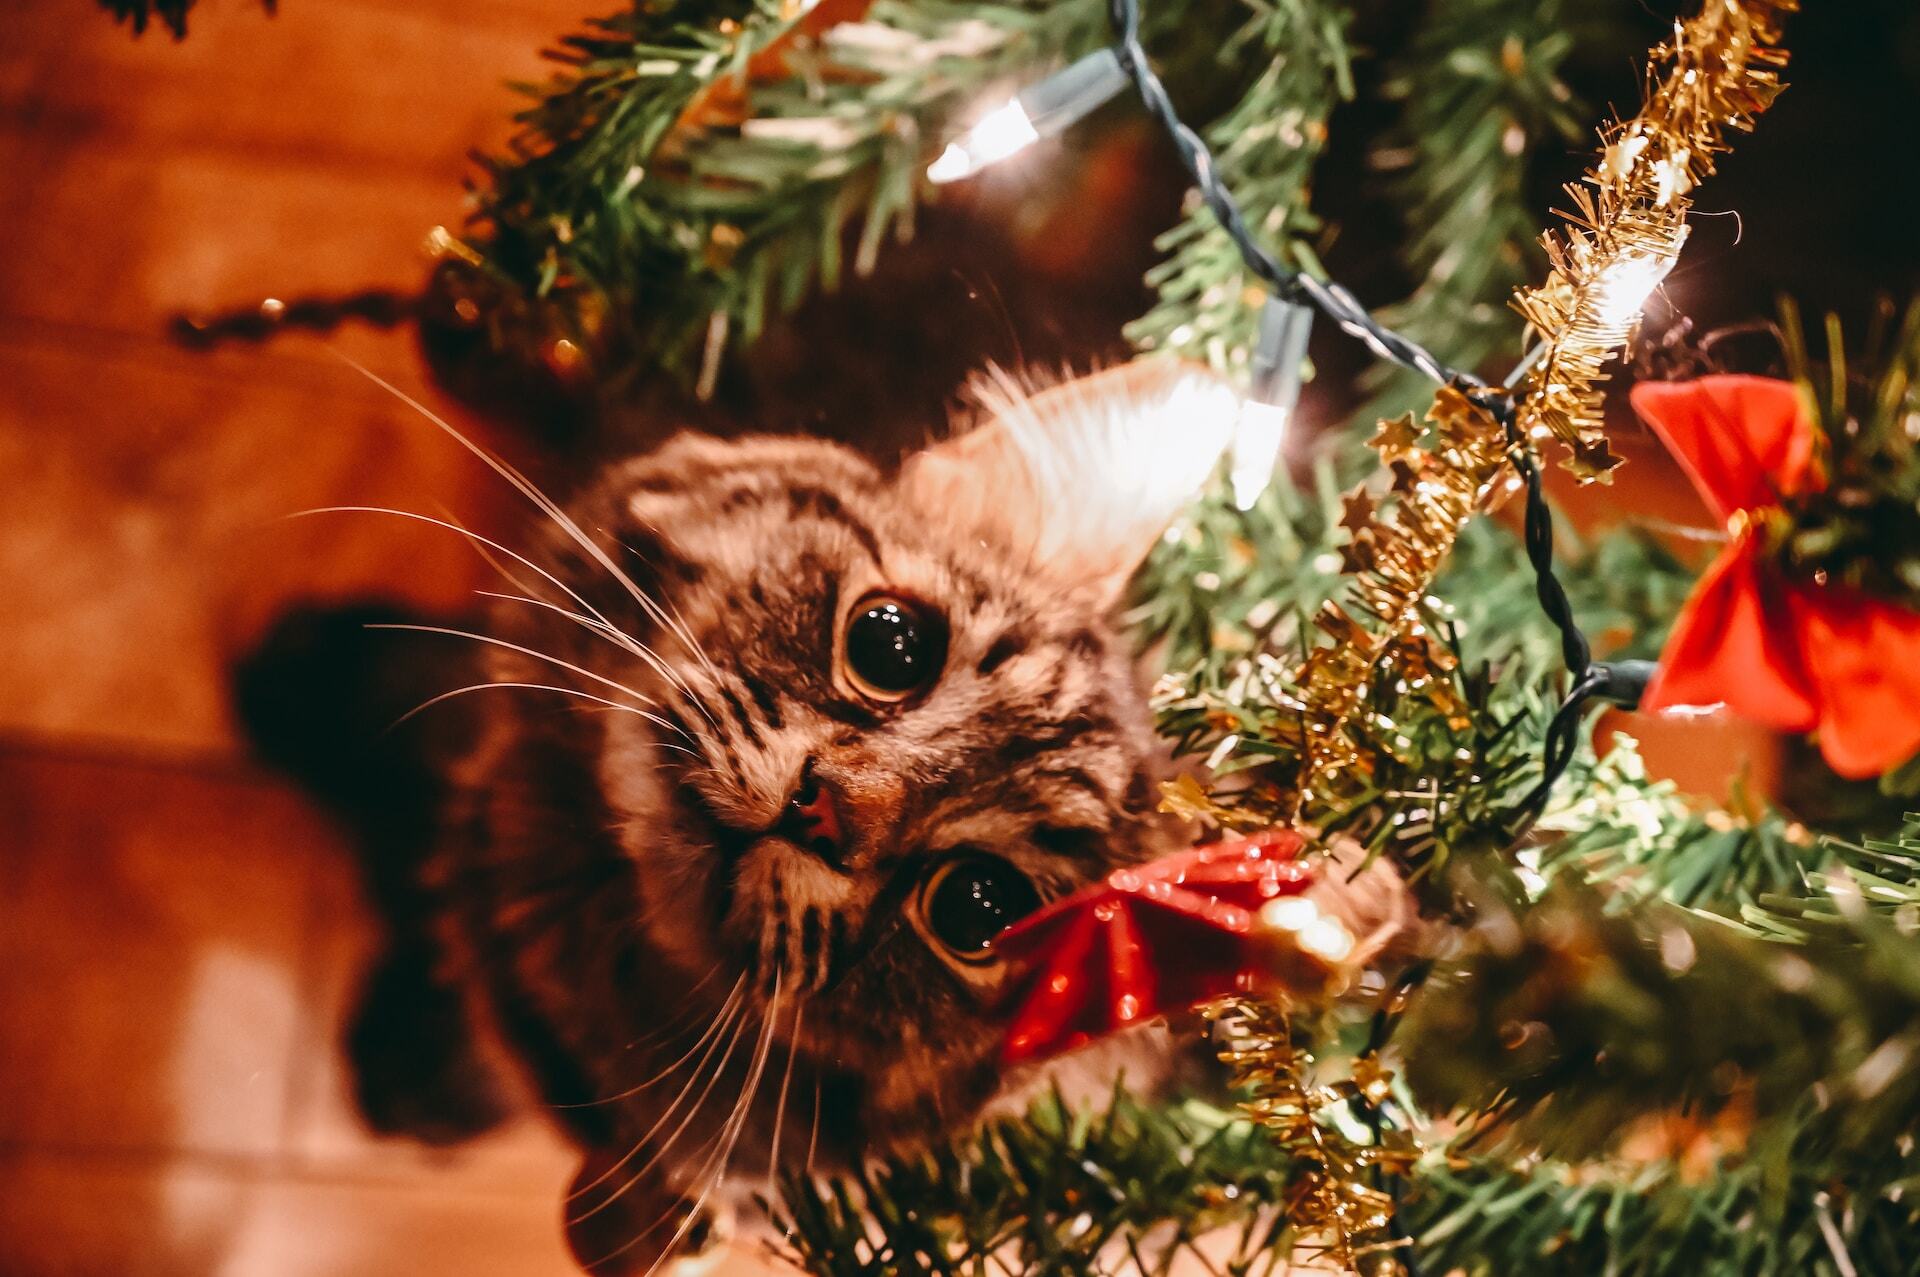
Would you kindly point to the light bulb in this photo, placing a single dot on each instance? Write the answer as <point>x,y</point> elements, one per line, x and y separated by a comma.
<point>1273,389</point>
<point>1623,288</point>
<point>1003,131</point>
<point>1042,110</point>
<point>1257,438</point>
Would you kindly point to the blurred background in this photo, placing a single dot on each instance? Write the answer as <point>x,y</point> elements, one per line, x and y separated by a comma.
<point>180,931</point>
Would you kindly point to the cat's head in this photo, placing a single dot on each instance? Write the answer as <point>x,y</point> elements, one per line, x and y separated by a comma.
<point>892,710</point>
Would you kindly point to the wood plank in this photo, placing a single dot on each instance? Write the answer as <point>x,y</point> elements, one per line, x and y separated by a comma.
<point>115,241</point>
<point>150,956</point>
<point>81,1216</point>
<point>148,539</point>
<point>306,155</point>
<point>385,84</point>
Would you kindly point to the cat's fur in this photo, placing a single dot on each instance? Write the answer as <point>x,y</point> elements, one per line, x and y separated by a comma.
<point>670,971</point>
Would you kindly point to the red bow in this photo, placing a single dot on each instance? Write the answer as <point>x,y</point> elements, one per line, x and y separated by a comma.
<point>1792,653</point>
<point>1146,940</point>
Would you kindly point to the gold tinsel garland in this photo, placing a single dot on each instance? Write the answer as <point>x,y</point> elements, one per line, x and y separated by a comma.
<point>1721,68</point>
<point>1336,1207</point>
<point>1630,215</point>
<point>1393,558</point>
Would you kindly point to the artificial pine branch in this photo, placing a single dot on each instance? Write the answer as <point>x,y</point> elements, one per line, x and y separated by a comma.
<point>1482,92</point>
<point>1228,595</point>
<point>1800,1209</point>
<point>1580,1022</point>
<point>1743,1098</point>
<point>1265,148</point>
<point>1863,527</point>
<point>696,165</point>
<point>1643,843</point>
<point>1056,1191</point>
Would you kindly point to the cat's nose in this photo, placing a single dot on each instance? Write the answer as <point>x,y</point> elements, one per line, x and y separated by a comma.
<point>813,818</point>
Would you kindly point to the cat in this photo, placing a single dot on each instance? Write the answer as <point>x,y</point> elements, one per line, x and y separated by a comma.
<point>812,732</point>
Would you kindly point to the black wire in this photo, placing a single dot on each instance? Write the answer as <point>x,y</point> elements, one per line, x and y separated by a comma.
<point>1556,752</point>
<point>1614,682</point>
<point>1385,1017</point>
<point>1620,682</point>
<point>1574,648</point>
<point>1331,300</point>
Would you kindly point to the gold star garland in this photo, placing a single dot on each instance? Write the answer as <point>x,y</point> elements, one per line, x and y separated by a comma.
<point>1629,219</point>
<point>1393,558</point>
<point>1335,1205</point>
<point>1721,69</point>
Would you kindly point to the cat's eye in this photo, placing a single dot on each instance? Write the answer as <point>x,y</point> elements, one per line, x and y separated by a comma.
<point>893,647</point>
<point>970,899</point>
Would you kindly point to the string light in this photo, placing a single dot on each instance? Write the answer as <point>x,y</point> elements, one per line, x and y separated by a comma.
<point>1723,69</point>
<point>1622,291</point>
<point>1273,391</point>
<point>1043,110</point>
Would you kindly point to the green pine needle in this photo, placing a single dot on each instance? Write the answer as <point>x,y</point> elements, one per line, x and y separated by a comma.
<point>172,14</point>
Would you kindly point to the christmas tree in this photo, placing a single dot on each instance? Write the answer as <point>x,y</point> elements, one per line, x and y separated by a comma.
<point>1632,1035</point>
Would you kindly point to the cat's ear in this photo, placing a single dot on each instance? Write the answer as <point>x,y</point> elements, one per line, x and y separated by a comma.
<point>1083,475</point>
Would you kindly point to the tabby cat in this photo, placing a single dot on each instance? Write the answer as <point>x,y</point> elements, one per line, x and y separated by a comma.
<point>813,733</point>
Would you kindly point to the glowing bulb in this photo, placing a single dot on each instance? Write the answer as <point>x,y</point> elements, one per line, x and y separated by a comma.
<point>1289,913</point>
<point>1257,437</point>
<point>1042,110</point>
<point>1005,130</point>
<point>1326,939</point>
<point>1279,354</point>
<point>1623,288</point>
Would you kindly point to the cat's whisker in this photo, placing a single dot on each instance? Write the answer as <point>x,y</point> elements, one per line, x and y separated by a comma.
<point>715,1169</point>
<point>813,1131</point>
<point>472,536</point>
<point>711,743</point>
<point>491,641</point>
<point>594,619</point>
<point>780,1105</point>
<point>726,1010</point>
<point>619,638</point>
<point>739,1031</point>
<point>428,704</point>
<point>540,500</point>
<point>693,645</point>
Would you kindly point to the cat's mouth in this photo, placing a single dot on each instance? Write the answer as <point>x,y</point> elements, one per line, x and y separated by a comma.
<point>810,821</point>
<point>730,842</point>
<point>798,924</point>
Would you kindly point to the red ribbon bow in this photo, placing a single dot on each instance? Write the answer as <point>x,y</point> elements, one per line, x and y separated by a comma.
<point>1788,652</point>
<point>1145,940</point>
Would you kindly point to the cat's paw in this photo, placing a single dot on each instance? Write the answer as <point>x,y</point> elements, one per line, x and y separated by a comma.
<point>416,1070</point>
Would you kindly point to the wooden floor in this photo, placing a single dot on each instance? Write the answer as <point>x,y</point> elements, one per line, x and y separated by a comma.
<point>177,930</point>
